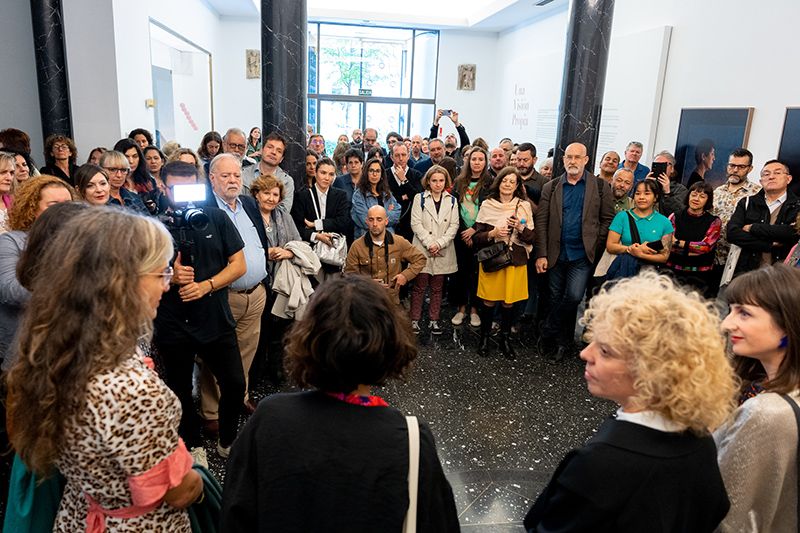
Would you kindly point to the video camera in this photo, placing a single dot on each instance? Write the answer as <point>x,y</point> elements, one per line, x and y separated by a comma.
<point>185,217</point>
<point>188,216</point>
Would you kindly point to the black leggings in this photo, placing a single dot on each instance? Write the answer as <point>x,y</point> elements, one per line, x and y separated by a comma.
<point>463,289</point>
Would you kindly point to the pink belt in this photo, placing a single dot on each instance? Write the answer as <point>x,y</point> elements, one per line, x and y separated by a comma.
<point>147,490</point>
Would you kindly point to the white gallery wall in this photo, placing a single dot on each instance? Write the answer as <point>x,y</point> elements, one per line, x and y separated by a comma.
<point>19,97</point>
<point>237,100</point>
<point>730,54</point>
<point>477,109</point>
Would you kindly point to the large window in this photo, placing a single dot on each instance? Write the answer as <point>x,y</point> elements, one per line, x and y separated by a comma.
<point>363,76</point>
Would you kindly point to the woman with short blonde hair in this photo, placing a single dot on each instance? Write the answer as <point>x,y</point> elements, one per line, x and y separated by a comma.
<point>656,350</point>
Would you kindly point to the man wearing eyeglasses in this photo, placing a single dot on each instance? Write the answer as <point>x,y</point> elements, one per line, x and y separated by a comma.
<point>235,142</point>
<point>727,196</point>
<point>764,224</point>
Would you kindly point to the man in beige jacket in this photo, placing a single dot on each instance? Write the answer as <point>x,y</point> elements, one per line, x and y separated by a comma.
<point>380,255</point>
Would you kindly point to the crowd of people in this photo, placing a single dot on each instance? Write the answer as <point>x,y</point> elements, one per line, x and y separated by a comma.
<point>216,269</point>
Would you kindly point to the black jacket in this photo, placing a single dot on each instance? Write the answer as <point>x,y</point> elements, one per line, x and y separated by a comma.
<point>630,477</point>
<point>250,207</point>
<point>308,462</point>
<point>409,189</point>
<point>763,237</point>
<point>337,212</point>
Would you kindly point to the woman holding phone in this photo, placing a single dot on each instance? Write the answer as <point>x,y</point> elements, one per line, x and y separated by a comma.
<point>654,229</point>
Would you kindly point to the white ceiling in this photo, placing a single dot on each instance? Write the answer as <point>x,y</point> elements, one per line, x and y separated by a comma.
<point>480,15</point>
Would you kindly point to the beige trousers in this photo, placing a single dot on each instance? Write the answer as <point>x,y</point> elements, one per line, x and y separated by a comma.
<point>246,310</point>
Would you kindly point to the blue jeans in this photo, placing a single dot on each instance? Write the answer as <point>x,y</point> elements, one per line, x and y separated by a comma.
<point>567,284</point>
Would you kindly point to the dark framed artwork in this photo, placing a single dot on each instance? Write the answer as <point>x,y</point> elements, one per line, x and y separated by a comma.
<point>789,150</point>
<point>706,137</point>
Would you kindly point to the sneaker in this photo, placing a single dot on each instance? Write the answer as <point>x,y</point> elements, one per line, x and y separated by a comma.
<point>458,319</point>
<point>199,456</point>
<point>223,451</point>
<point>434,327</point>
<point>415,326</point>
<point>474,320</point>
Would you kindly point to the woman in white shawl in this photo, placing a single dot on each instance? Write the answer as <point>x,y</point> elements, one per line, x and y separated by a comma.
<point>505,217</point>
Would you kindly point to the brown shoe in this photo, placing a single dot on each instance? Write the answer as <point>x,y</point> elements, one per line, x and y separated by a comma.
<point>249,406</point>
<point>211,427</point>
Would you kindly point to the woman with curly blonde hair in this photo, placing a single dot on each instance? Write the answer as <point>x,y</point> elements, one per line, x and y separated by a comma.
<point>656,350</point>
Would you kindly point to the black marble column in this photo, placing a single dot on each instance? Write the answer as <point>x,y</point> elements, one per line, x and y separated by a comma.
<point>588,38</point>
<point>51,67</point>
<point>284,59</point>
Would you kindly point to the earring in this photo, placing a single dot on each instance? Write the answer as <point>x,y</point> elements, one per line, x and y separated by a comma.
<point>784,342</point>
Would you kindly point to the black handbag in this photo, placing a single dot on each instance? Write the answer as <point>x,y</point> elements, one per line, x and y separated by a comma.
<point>497,255</point>
<point>494,257</point>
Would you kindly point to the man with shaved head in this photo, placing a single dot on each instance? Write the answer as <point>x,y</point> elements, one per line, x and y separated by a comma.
<point>498,160</point>
<point>389,259</point>
<point>572,222</point>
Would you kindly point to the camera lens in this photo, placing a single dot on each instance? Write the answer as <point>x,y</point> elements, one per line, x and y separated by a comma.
<point>196,219</point>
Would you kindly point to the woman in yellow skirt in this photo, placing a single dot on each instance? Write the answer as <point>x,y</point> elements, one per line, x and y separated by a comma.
<point>506,216</point>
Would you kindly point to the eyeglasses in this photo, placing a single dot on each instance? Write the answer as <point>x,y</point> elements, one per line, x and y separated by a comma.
<point>734,166</point>
<point>60,147</point>
<point>234,146</point>
<point>373,171</point>
<point>123,171</point>
<point>166,275</point>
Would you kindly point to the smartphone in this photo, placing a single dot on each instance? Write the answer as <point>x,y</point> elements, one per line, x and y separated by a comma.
<point>659,168</point>
<point>656,246</point>
<point>447,112</point>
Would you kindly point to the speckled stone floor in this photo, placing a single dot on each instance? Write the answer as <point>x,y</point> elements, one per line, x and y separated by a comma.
<point>501,426</point>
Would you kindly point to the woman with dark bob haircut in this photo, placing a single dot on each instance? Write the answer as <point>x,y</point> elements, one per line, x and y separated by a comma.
<point>757,446</point>
<point>336,458</point>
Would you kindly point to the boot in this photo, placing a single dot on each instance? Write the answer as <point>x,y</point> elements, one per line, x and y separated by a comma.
<point>485,312</point>
<point>505,346</point>
<point>506,317</point>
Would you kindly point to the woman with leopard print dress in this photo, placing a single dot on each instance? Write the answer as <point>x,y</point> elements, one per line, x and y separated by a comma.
<point>82,399</point>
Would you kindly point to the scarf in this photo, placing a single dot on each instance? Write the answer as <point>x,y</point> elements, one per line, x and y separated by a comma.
<point>495,213</point>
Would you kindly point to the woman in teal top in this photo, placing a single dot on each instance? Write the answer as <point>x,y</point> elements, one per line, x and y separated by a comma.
<point>655,230</point>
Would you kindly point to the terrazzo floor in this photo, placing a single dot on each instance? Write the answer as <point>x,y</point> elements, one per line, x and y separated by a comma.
<point>501,426</point>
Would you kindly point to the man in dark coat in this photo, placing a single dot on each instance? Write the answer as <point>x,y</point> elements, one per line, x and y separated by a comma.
<point>572,222</point>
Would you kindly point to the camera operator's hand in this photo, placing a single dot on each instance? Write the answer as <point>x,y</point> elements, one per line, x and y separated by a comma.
<point>454,118</point>
<point>439,113</point>
<point>183,274</point>
<point>194,291</point>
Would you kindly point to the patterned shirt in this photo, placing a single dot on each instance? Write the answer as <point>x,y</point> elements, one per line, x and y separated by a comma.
<point>724,206</point>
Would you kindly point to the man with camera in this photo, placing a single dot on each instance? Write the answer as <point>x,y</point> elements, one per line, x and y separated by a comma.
<point>194,318</point>
<point>247,295</point>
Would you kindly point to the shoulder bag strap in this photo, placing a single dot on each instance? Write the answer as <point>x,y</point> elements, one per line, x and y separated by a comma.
<point>410,522</point>
<point>634,230</point>
<point>314,202</point>
<point>796,410</point>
